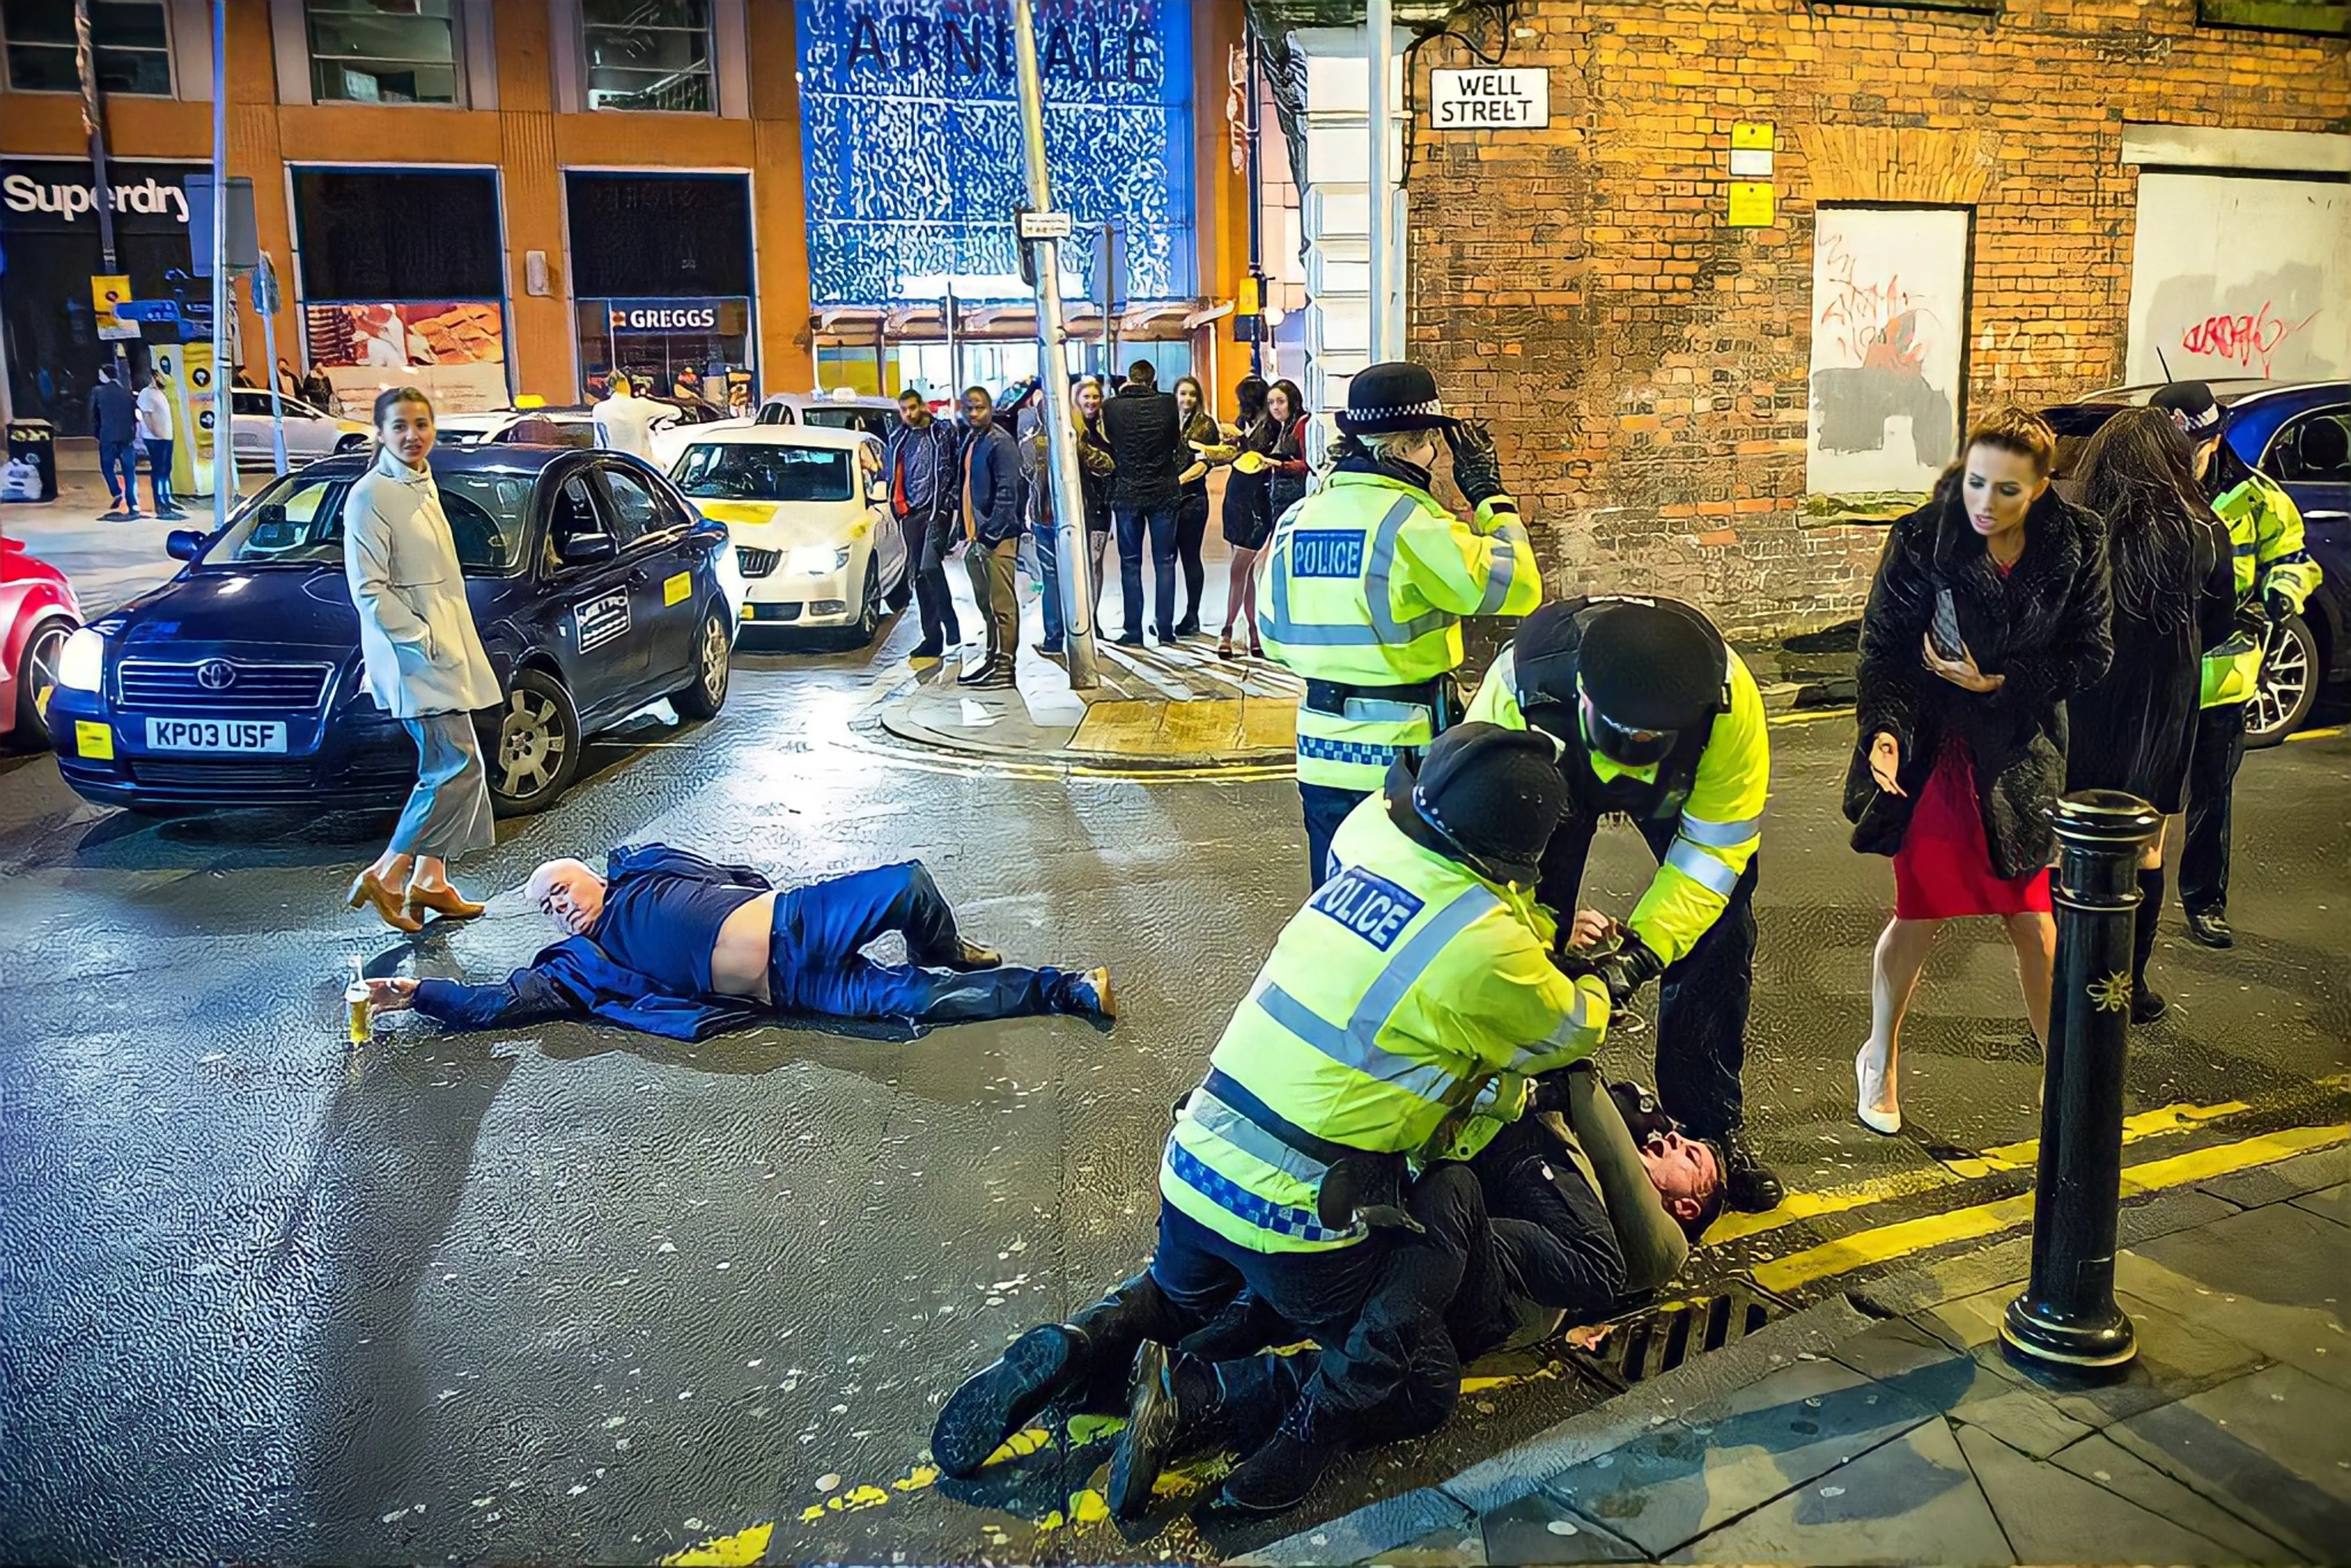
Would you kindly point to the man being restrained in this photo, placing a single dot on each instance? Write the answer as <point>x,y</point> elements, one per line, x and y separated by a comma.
<point>674,944</point>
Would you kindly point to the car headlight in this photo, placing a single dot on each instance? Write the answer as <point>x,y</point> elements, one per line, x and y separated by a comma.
<point>817,561</point>
<point>82,666</point>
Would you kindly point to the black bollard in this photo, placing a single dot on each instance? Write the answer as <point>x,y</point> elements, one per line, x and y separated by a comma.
<point>2067,1315</point>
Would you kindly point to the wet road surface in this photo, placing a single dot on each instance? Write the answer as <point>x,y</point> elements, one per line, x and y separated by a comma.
<point>569,1293</point>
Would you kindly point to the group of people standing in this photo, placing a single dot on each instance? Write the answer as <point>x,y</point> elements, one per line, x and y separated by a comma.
<point>127,424</point>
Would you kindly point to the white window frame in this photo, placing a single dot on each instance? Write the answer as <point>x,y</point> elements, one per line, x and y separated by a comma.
<point>472,58</point>
<point>171,53</point>
<point>713,37</point>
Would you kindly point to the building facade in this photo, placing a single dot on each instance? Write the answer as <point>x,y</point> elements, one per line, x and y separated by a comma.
<point>1952,204</point>
<point>516,197</point>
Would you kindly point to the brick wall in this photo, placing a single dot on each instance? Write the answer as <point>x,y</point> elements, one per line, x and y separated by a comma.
<point>1645,366</point>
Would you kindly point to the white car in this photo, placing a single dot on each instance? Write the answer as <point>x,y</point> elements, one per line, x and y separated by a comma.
<point>310,432</point>
<point>506,426</point>
<point>811,523</point>
<point>669,441</point>
<point>840,409</point>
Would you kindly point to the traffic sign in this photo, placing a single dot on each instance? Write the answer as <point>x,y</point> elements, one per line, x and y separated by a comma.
<point>159,310</point>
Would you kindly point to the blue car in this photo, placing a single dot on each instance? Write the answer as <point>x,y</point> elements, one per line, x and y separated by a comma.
<point>2299,433</point>
<point>597,588</point>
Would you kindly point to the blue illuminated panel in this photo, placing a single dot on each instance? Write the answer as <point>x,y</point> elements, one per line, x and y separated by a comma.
<point>912,141</point>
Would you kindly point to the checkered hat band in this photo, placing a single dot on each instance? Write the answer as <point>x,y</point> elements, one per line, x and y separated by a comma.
<point>1433,408</point>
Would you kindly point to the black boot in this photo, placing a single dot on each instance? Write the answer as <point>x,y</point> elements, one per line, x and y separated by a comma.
<point>1038,1368</point>
<point>2209,929</point>
<point>1170,1411</point>
<point>1281,1473</point>
<point>1116,1327</point>
<point>1750,1186</point>
<point>2145,1004</point>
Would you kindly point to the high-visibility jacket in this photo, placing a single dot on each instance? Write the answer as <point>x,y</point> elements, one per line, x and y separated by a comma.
<point>1405,985</point>
<point>2265,532</point>
<point>1364,584</point>
<point>1718,795</point>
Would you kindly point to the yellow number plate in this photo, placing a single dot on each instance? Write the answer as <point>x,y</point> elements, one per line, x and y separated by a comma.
<point>676,589</point>
<point>94,740</point>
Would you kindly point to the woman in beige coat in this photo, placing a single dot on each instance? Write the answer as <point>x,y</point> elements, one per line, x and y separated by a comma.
<point>424,663</point>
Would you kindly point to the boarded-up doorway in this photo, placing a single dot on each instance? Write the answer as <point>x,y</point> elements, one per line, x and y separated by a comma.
<point>1889,328</point>
<point>2240,274</point>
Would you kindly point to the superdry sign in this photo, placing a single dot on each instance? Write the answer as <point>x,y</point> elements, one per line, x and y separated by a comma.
<point>665,316</point>
<point>57,195</point>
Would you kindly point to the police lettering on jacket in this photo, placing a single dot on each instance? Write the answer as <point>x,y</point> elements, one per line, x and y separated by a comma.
<point>1372,907</point>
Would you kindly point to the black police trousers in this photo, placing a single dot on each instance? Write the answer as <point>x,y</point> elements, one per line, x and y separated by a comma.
<point>2220,750</point>
<point>1702,1007</point>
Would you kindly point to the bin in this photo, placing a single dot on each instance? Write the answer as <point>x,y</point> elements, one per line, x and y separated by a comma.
<point>34,441</point>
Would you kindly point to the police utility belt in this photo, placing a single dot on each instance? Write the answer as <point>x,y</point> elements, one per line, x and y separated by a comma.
<point>1357,1186</point>
<point>1435,694</point>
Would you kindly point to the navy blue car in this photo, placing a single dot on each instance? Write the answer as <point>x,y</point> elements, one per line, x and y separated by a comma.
<point>2299,433</point>
<point>597,588</point>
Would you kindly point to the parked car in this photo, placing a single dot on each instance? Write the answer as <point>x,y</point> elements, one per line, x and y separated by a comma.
<point>310,432</point>
<point>597,588</point>
<point>508,427</point>
<point>811,523</point>
<point>838,410</point>
<point>38,614</point>
<point>2299,433</point>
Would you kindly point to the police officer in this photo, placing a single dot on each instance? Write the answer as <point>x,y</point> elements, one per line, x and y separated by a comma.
<point>1417,977</point>
<point>2275,577</point>
<point>1366,583</point>
<point>1660,720</point>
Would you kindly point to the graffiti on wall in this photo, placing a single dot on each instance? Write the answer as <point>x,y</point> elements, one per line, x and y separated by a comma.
<point>2240,274</point>
<point>2250,339</point>
<point>1889,313</point>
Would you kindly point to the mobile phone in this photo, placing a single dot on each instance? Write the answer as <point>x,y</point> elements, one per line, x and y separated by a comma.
<point>1944,630</point>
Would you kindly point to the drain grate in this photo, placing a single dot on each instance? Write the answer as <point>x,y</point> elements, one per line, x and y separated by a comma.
<point>1659,1338</point>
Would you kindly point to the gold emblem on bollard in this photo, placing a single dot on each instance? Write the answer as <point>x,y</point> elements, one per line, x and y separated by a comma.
<point>2112,994</point>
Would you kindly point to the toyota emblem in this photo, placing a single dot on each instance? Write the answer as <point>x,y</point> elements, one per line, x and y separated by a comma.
<point>217,674</point>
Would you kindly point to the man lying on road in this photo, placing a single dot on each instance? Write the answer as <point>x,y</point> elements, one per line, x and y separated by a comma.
<point>673,945</point>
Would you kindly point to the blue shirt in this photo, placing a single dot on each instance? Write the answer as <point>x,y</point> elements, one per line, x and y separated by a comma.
<point>663,923</point>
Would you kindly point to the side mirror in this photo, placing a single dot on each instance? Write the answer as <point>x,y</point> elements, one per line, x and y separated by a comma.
<point>586,550</point>
<point>183,544</point>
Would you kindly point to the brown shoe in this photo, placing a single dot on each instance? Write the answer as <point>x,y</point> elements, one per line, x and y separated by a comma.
<point>445,901</point>
<point>368,891</point>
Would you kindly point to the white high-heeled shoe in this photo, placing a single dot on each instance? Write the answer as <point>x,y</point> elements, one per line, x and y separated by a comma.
<point>1886,1121</point>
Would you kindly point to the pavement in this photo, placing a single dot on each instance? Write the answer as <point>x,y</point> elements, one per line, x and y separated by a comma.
<point>565,1293</point>
<point>1888,1424</point>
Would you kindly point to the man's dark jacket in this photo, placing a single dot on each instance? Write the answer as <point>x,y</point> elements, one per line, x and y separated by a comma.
<point>934,447</point>
<point>575,978</point>
<point>993,483</point>
<point>1146,442</point>
<point>113,412</point>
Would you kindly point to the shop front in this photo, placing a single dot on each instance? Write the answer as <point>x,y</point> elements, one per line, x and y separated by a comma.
<point>662,281</point>
<point>49,328</point>
<point>402,283</point>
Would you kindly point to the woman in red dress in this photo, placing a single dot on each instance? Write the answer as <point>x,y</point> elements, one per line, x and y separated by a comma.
<point>1990,606</point>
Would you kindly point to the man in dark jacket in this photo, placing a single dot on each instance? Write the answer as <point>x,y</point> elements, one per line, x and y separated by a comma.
<point>114,420</point>
<point>670,944</point>
<point>993,498</point>
<point>925,493</point>
<point>1146,442</point>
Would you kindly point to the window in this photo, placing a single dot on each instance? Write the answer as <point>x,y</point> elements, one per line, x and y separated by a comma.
<point>649,54</point>
<point>2314,450</point>
<point>299,521</point>
<point>634,507</point>
<point>2331,18</point>
<point>132,43</point>
<point>383,51</point>
<point>749,470</point>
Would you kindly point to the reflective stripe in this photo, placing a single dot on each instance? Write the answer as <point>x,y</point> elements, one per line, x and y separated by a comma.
<point>1274,620</point>
<point>1379,710</point>
<point>1498,586</point>
<point>1281,1219</point>
<point>1702,867</point>
<point>1375,581</point>
<point>1356,1044</point>
<point>1577,1021</point>
<point>1720,835</point>
<point>1320,750</point>
<point>1214,1115</point>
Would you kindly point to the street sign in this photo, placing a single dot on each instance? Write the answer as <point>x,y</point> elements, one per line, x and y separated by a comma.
<point>1518,99</point>
<point>109,292</point>
<point>1044,225</point>
<point>160,311</point>
<point>265,285</point>
<point>244,244</point>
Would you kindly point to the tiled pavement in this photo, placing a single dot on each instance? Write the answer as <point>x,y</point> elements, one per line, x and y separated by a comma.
<point>1840,1435</point>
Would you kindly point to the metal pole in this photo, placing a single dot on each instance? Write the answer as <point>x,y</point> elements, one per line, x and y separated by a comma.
<point>1256,202</point>
<point>954,346</point>
<point>224,373</point>
<point>93,125</point>
<point>2067,1315</point>
<point>264,300</point>
<point>1053,374</point>
<point>1379,24</point>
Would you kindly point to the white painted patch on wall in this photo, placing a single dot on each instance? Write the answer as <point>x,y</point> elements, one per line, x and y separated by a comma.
<point>2240,274</point>
<point>1889,321</point>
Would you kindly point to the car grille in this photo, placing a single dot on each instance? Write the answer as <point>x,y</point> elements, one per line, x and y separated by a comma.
<point>771,611</point>
<point>172,685</point>
<point>256,778</point>
<point>756,562</point>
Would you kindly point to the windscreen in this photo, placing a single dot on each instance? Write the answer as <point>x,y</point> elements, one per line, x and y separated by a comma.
<point>761,471</point>
<point>299,521</point>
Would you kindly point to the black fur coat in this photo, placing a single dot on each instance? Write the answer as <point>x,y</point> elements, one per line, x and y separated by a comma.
<point>2046,627</point>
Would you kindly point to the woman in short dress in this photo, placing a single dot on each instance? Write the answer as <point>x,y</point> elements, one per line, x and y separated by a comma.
<point>1991,606</point>
<point>1248,517</point>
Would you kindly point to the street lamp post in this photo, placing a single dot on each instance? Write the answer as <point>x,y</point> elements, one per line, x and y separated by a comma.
<point>1052,370</point>
<point>224,373</point>
<point>2067,1315</point>
<point>1379,41</point>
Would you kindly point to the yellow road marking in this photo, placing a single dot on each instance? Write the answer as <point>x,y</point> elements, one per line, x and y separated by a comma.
<point>2146,1124</point>
<point>1886,1242</point>
<point>739,1550</point>
<point>1809,715</point>
<point>2329,733</point>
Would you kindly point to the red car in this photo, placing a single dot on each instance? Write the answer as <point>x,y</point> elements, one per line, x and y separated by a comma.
<point>38,613</point>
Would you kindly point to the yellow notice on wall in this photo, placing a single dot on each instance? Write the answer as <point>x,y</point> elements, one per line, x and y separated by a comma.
<point>1750,135</point>
<point>1751,203</point>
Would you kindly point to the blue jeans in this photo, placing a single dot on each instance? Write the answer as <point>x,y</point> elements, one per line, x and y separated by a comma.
<point>816,963</point>
<point>1326,807</point>
<point>159,471</point>
<point>1159,524</point>
<point>119,467</point>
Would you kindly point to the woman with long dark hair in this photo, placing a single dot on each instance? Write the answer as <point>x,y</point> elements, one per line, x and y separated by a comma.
<point>1249,515</point>
<point>1991,606</point>
<point>2174,599</point>
<point>1208,447</point>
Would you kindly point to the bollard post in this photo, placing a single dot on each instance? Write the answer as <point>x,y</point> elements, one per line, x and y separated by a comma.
<point>2067,1315</point>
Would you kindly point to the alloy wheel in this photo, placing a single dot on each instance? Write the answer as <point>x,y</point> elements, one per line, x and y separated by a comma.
<point>531,745</point>
<point>41,666</point>
<point>716,651</point>
<point>2280,696</point>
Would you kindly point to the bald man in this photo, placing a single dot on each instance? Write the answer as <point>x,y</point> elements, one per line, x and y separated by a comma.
<point>669,943</point>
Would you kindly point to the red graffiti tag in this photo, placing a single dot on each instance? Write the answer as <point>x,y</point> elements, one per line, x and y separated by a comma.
<point>2246,339</point>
